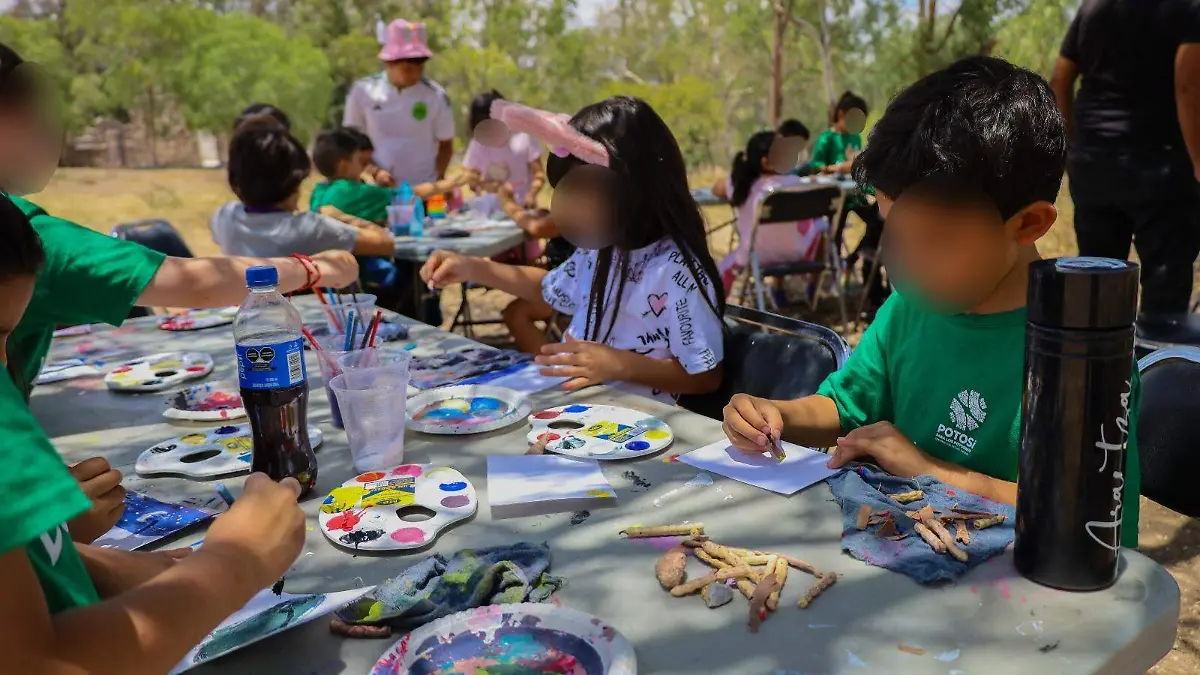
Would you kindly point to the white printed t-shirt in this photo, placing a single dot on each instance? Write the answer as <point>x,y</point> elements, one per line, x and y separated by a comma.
<point>508,163</point>
<point>663,311</point>
<point>405,125</point>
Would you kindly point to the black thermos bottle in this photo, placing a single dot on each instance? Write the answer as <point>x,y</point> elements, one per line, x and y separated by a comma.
<point>1075,420</point>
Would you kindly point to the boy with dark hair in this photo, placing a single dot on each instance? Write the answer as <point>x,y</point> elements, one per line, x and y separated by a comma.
<point>966,164</point>
<point>266,168</point>
<point>793,128</point>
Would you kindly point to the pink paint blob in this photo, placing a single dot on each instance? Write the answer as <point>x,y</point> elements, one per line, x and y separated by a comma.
<point>661,543</point>
<point>409,535</point>
<point>975,590</point>
<point>545,415</point>
<point>456,501</point>
<point>413,470</point>
<point>952,493</point>
<point>1005,589</point>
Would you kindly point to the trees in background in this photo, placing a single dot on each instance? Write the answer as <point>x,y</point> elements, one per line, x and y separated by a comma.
<point>717,70</point>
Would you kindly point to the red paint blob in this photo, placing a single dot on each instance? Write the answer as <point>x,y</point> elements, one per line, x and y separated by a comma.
<point>546,415</point>
<point>951,493</point>
<point>370,476</point>
<point>346,521</point>
<point>196,369</point>
<point>549,436</point>
<point>123,369</point>
<point>673,458</point>
<point>413,470</point>
<point>409,535</point>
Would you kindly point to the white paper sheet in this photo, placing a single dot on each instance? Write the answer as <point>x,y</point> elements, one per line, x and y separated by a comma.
<point>802,468</point>
<point>546,480</point>
<point>525,378</point>
<point>265,615</point>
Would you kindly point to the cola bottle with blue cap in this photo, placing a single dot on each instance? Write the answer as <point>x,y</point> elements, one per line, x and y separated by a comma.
<point>268,336</point>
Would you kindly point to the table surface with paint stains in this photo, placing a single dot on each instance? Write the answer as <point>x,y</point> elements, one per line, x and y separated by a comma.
<point>486,239</point>
<point>990,621</point>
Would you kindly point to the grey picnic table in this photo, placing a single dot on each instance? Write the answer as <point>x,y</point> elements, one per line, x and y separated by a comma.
<point>990,621</point>
<point>486,239</point>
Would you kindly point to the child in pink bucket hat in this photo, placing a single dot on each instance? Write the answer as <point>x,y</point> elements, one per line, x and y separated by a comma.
<point>405,40</point>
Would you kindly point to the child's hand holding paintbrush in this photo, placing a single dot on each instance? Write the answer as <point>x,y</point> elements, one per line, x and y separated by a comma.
<point>263,530</point>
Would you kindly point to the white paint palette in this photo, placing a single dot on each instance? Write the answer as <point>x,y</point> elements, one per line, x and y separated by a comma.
<point>199,319</point>
<point>466,409</point>
<point>159,371</point>
<point>367,512</point>
<point>205,402</point>
<point>600,432</point>
<point>206,453</point>
<point>57,371</point>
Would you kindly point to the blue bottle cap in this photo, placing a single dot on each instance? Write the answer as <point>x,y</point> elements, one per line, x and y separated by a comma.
<point>262,275</point>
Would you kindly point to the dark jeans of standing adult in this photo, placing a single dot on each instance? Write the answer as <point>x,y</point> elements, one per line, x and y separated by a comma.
<point>868,246</point>
<point>1149,198</point>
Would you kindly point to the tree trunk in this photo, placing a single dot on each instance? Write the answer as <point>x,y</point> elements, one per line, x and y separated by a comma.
<point>151,126</point>
<point>782,17</point>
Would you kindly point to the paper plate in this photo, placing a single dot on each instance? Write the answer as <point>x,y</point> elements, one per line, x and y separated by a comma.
<point>198,319</point>
<point>57,371</point>
<point>207,453</point>
<point>363,515</point>
<point>466,409</point>
<point>159,371</point>
<point>526,638</point>
<point>205,402</point>
<point>600,431</point>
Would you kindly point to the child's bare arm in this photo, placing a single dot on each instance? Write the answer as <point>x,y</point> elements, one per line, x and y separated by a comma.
<point>668,374</point>
<point>981,484</point>
<point>811,421</point>
<point>217,281</point>
<point>427,190</point>
<point>590,363</point>
<point>343,217</point>
<point>374,240</point>
<point>445,269</point>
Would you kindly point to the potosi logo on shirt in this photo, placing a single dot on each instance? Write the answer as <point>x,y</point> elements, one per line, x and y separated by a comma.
<point>968,411</point>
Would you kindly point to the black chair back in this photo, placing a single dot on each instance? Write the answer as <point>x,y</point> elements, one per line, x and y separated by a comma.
<point>770,356</point>
<point>1168,437</point>
<point>158,235</point>
<point>800,202</point>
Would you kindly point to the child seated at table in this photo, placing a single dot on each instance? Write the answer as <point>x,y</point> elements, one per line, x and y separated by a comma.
<point>795,129</point>
<point>72,607</point>
<point>966,163</point>
<point>754,175</point>
<point>267,165</point>
<point>641,288</point>
<point>492,160</point>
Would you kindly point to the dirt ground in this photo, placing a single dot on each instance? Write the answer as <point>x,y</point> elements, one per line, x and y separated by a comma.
<point>101,198</point>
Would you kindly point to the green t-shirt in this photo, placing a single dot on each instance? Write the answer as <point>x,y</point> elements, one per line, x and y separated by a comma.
<point>355,198</point>
<point>953,386</point>
<point>831,146</point>
<point>88,277</point>
<point>40,496</point>
<point>315,199</point>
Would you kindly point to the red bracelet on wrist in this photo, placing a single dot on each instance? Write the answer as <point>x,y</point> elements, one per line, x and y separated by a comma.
<point>312,272</point>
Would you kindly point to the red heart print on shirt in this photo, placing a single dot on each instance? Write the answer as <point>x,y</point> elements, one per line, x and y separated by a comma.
<point>658,303</point>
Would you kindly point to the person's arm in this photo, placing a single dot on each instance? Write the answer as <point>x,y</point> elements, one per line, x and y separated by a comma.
<point>356,113</point>
<point>537,180</point>
<point>538,226</point>
<point>1187,99</point>
<point>376,241</point>
<point>114,571</point>
<point>592,363</point>
<point>444,151</point>
<point>427,190</point>
<point>218,281</point>
<point>446,269</point>
<point>1062,82</point>
<point>720,189</point>
<point>343,217</point>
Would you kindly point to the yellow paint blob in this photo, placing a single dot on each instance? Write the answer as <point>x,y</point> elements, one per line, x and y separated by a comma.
<point>657,434</point>
<point>342,499</point>
<point>194,439</point>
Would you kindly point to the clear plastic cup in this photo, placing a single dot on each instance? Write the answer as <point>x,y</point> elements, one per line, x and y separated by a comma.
<point>373,402</point>
<point>332,352</point>
<point>362,304</point>
<point>375,358</point>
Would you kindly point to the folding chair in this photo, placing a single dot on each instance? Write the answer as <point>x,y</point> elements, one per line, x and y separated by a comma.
<point>770,356</point>
<point>1167,434</point>
<point>155,234</point>
<point>783,207</point>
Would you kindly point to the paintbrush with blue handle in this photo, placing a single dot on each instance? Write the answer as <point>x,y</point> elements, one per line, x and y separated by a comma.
<point>226,495</point>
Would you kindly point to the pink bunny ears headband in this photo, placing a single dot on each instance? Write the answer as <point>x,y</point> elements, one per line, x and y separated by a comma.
<point>550,128</point>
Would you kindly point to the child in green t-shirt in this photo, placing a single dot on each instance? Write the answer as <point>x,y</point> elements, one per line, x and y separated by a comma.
<point>966,163</point>
<point>52,586</point>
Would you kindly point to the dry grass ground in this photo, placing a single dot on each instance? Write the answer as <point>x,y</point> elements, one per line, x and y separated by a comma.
<point>101,198</point>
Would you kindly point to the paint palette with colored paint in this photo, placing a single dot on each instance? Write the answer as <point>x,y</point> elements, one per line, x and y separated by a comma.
<point>57,371</point>
<point>466,409</point>
<point>199,319</point>
<point>601,432</point>
<point>526,638</point>
<point>159,371</point>
<point>207,453</point>
<point>382,510</point>
<point>205,402</point>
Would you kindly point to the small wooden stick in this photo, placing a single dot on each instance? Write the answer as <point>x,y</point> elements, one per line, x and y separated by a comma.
<point>984,523</point>
<point>823,581</point>
<point>930,538</point>
<point>916,651</point>
<point>638,532</point>
<point>888,529</point>
<point>864,515</point>
<point>942,533</point>
<point>800,564</point>
<point>973,514</point>
<point>961,532</point>
<point>911,496</point>
<point>781,571</point>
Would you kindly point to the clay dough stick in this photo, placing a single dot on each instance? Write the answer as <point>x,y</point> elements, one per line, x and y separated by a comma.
<point>930,538</point>
<point>823,581</point>
<point>638,532</point>
<point>984,523</point>
<point>911,496</point>
<point>721,553</point>
<point>693,586</point>
<point>745,552</point>
<point>708,559</point>
<point>864,515</point>
<point>781,570</point>
<point>763,559</point>
<point>758,601</point>
<point>671,568</point>
<point>746,587</point>
<point>961,532</point>
<point>799,564</point>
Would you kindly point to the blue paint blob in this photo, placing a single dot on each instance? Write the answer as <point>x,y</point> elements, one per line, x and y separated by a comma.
<point>484,404</point>
<point>245,457</point>
<point>517,646</point>
<point>650,423</point>
<point>456,486</point>
<point>576,408</point>
<point>637,445</point>
<point>443,414</point>
<point>226,430</point>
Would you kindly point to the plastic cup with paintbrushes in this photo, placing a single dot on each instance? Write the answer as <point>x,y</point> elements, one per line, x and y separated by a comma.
<point>277,587</point>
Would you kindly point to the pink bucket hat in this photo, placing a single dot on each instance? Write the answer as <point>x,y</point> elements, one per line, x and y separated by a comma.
<point>405,40</point>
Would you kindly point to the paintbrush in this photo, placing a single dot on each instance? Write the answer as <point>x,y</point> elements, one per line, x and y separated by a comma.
<point>277,588</point>
<point>776,449</point>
